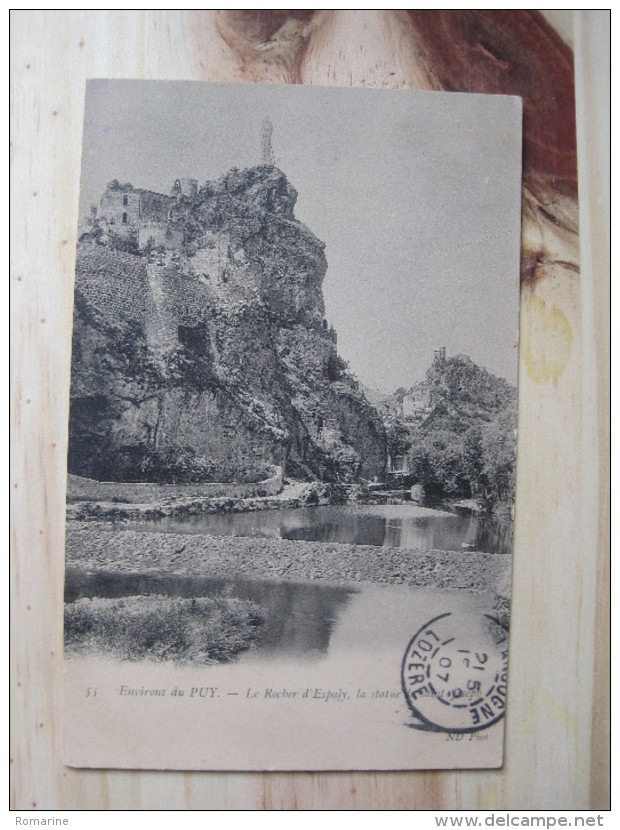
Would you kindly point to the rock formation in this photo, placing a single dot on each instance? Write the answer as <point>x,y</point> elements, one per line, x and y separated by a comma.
<point>454,433</point>
<point>201,350</point>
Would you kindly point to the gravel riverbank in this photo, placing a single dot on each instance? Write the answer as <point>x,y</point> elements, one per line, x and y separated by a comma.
<point>97,546</point>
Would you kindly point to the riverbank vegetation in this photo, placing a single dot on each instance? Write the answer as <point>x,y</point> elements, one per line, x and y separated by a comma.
<point>200,630</point>
<point>476,462</point>
<point>455,433</point>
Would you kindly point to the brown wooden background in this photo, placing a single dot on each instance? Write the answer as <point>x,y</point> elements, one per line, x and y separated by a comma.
<point>558,725</point>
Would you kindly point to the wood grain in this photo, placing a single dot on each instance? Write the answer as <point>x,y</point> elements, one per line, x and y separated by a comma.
<point>557,727</point>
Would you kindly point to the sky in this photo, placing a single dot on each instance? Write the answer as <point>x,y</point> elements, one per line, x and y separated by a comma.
<point>416,195</point>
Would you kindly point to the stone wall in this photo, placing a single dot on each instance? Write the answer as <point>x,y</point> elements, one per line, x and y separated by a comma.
<point>87,489</point>
<point>113,283</point>
<point>210,260</point>
<point>154,207</point>
<point>161,234</point>
<point>120,207</point>
<point>185,187</point>
<point>124,209</point>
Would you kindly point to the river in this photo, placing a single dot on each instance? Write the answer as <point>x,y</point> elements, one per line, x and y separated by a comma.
<point>302,617</point>
<point>387,525</point>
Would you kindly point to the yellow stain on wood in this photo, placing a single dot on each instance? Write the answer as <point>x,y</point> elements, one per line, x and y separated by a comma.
<point>546,337</point>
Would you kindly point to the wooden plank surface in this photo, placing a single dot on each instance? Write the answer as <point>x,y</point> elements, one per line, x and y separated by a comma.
<point>557,725</point>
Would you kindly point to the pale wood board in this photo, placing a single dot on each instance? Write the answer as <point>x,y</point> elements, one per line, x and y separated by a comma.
<point>557,726</point>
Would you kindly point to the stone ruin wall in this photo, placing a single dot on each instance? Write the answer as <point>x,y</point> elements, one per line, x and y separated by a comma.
<point>112,208</point>
<point>125,210</point>
<point>154,207</point>
<point>169,237</point>
<point>113,283</point>
<point>176,300</point>
<point>161,294</point>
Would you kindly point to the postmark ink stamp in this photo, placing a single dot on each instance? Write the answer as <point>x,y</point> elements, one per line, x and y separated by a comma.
<point>454,672</point>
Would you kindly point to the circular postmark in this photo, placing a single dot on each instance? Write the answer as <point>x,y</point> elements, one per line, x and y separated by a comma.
<point>454,672</point>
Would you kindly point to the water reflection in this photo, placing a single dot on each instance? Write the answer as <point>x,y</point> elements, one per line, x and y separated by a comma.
<point>299,617</point>
<point>396,526</point>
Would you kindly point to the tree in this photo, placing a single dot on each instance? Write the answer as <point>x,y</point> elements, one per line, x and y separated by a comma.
<point>498,451</point>
<point>439,464</point>
<point>398,437</point>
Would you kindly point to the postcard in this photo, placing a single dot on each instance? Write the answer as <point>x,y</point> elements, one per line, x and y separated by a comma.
<point>292,430</point>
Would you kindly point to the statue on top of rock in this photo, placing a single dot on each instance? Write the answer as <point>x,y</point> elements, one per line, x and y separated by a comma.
<point>267,150</point>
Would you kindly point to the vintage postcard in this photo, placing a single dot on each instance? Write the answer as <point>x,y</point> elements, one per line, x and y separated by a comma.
<point>292,428</point>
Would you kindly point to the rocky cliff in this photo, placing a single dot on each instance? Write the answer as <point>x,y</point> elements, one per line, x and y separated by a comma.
<point>212,360</point>
<point>462,393</point>
<point>459,434</point>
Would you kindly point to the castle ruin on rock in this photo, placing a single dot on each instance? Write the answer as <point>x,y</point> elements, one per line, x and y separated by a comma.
<point>201,348</point>
<point>142,217</point>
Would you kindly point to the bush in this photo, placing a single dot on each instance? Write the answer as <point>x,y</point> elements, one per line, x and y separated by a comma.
<point>199,630</point>
<point>336,366</point>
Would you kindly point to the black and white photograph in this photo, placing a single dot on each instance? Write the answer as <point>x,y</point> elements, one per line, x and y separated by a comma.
<point>292,428</point>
